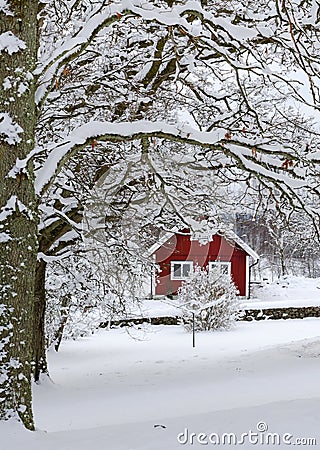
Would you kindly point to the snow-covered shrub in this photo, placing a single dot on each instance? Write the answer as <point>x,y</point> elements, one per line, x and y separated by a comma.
<point>86,290</point>
<point>211,296</point>
<point>76,304</point>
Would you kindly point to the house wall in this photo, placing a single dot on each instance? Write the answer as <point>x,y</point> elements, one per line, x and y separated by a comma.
<point>180,248</point>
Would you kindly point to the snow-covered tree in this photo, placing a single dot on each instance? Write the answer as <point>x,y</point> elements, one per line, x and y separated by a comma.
<point>234,83</point>
<point>81,296</point>
<point>211,297</point>
<point>285,240</point>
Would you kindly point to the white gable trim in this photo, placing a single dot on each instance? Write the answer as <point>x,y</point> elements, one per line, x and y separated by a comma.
<point>234,237</point>
<point>247,276</point>
<point>162,241</point>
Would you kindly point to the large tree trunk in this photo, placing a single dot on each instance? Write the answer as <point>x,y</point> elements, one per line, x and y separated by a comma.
<point>18,210</point>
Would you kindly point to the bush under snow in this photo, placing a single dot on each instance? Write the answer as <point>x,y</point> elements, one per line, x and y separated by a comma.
<point>211,296</point>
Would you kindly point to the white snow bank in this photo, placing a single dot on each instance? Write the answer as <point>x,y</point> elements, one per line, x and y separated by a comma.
<point>288,291</point>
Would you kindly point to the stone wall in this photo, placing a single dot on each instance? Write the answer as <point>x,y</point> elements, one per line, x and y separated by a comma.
<point>168,320</point>
<point>281,313</point>
<point>247,315</point>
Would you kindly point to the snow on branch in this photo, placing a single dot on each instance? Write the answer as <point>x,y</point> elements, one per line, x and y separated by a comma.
<point>55,214</point>
<point>255,167</point>
<point>9,130</point>
<point>4,237</point>
<point>112,13</point>
<point>46,258</point>
<point>128,131</point>
<point>4,7</point>
<point>11,43</point>
<point>73,46</point>
<point>13,205</point>
<point>83,135</point>
<point>177,15</point>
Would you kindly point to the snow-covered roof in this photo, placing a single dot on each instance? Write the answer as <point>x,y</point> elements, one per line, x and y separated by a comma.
<point>229,235</point>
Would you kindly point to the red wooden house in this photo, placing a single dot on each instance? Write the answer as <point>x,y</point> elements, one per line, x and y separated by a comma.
<point>177,253</point>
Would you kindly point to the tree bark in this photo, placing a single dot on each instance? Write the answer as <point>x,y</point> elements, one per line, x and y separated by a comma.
<point>65,306</point>
<point>39,341</point>
<point>18,210</point>
<point>47,238</point>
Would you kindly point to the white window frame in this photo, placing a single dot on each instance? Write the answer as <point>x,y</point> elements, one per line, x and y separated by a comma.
<point>219,264</point>
<point>182,263</point>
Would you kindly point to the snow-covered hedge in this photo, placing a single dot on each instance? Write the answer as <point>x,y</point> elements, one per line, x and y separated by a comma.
<point>211,296</point>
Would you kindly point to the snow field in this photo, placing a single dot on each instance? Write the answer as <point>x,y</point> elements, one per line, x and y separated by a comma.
<point>109,390</point>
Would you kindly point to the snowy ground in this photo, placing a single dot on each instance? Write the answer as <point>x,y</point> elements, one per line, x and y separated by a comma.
<point>288,291</point>
<point>109,390</point>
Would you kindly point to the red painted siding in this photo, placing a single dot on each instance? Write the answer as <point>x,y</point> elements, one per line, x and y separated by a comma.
<point>181,248</point>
